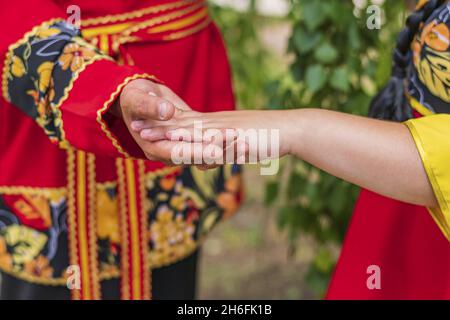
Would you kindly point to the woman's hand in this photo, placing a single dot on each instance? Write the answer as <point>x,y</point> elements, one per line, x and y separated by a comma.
<point>253,135</point>
<point>377,155</point>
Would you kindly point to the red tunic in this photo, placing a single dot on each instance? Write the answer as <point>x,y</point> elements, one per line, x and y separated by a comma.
<point>403,241</point>
<point>68,170</point>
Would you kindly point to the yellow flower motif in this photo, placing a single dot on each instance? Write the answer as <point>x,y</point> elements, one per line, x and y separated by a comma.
<point>45,75</point>
<point>167,183</point>
<point>172,237</point>
<point>17,67</point>
<point>43,104</point>
<point>107,217</point>
<point>27,242</point>
<point>74,56</point>
<point>178,203</point>
<point>45,33</point>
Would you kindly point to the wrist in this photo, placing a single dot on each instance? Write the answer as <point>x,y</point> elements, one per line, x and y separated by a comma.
<point>292,132</point>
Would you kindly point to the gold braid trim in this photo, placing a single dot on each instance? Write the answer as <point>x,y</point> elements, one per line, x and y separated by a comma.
<point>147,278</point>
<point>124,264</point>
<point>111,99</point>
<point>50,193</point>
<point>71,221</point>
<point>136,13</point>
<point>187,32</point>
<point>64,143</point>
<point>164,18</point>
<point>104,276</point>
<point>93,245</point>
<point>149,175</point>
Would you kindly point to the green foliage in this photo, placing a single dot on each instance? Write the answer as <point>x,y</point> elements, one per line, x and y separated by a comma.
<point>250,61</point>
<point>338,64</point>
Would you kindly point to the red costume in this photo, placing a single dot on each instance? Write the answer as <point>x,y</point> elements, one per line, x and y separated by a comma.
<point>408,245</point>
<point>74,186</point>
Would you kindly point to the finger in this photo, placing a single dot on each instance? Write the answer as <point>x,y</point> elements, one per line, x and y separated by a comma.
<point>142,105</point>
<point>153,134</point>
<point>218,136</point>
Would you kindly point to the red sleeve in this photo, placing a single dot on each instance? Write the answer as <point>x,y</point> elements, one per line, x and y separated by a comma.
<point>63,83</point>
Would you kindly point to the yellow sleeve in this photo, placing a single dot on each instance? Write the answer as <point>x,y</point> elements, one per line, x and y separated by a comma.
<point>432,137</point>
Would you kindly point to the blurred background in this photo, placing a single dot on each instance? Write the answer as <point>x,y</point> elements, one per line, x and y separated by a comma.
<point>284,242</point>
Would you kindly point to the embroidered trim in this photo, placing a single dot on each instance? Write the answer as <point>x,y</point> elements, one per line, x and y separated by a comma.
<point>108,103</point>
<point>188,32</point>
<point>136,13</point>
<point>124,263</point>
<point>81,227</point>
<point>71,221</point>
<point>63,191</point>
<point>64,143</point>
<point>92,230</point>
<point>47,192</point>
<point>104,276</point>
<point>163,18</point>
<point>146,270</point>
<point>182,23</point>
<point>17,44</point>
<point>40,71</point>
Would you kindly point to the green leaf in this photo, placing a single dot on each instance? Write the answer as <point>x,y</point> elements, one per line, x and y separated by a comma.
<point>313,14</point>
<point>324,261</point>
<point>340,79</point>
<point>304,42</point>
<point>315,77</point>
<point>295,185</point>
<point>271,192</point>
<point>338,198</point>
<point>326,53</point>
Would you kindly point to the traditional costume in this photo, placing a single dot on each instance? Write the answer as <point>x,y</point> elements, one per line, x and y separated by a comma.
<point>78,200</point>
<point>407,245</point>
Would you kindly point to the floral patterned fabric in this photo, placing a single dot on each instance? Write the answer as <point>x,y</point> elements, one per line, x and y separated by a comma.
<point>185,205</point>
<point>39,75</point>
<point>430,80</point>
<point>54,77</point>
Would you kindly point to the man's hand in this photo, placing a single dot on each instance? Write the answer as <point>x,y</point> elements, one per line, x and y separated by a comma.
<point>145,100</point>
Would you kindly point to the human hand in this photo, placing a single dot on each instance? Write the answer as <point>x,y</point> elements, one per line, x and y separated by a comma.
<point>155,105</point>
<point>255,135</point>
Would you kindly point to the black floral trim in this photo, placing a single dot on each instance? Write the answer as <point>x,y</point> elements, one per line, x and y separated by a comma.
<point>40,71</point>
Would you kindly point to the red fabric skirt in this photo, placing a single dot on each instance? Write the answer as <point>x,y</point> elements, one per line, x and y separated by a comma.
<point>403,241</point>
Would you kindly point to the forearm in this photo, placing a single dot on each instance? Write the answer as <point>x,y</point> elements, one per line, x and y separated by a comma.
<point>378,155</point>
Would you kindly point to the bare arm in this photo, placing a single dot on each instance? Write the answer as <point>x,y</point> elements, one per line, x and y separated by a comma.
<point>377,155</point>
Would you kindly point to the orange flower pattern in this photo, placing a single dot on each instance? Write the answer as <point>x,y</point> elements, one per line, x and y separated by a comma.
<point>430,80</point>
<point>36,66</point>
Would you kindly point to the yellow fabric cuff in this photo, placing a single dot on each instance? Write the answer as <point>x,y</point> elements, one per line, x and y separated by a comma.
<point>432,137</point>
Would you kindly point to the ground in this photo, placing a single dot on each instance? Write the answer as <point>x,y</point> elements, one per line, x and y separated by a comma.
<point>247,256</point>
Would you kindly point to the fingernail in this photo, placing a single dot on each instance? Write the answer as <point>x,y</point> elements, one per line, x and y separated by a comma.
<point>163,110</point>
<point>137,125</point>
<point>146,133</point>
